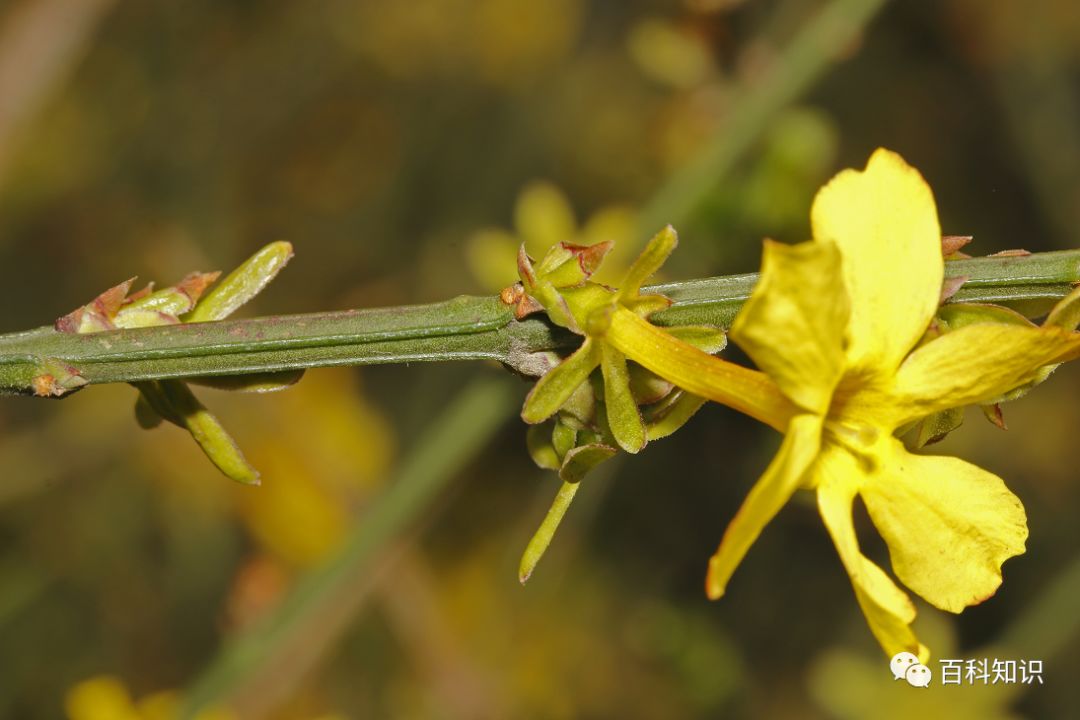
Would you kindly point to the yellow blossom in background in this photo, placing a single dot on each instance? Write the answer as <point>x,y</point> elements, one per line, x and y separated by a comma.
<point>105,697</point>
<point>336,452</point>
<point>543,217</point>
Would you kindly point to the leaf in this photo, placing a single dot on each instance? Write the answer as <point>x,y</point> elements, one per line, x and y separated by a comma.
<point>935,427</point>
<point>558,384</point>
<point>650,260</point>
<point>145,415</point>
<point>675,413</point>
<point>179,402</point>
<point>243,283</point>
<point>1066,314</point>
<point>563,438</point>
<point>540,540</point>
<point>252,383</point>
<point>623,415</point>
<point>541,449</point>
<point>582,459</point>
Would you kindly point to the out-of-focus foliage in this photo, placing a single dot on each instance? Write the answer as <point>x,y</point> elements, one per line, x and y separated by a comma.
<point>381,138</point>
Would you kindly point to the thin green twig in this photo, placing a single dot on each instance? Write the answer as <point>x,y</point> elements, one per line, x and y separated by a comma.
<point>821,42</point>
<point>465,328</point>
<point>292,637</point>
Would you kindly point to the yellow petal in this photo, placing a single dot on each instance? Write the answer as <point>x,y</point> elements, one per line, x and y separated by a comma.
<point>976,363</point>
<point>888,611</point>
<point>780,480</point>
<point>793,325</point>
<point>949,525</point>
<point>885,223</point>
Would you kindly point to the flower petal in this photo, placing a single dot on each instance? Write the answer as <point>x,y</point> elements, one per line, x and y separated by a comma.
<point>949,525</point>
<point>780,480</point>
<point>885,223</point>
<point>793,325</point>
<point>975,364</point>
<point>888,610</point>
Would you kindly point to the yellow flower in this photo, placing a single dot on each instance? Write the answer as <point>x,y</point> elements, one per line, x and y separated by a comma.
<point>836,325</point>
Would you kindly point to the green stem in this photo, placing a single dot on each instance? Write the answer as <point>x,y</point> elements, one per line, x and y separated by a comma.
<point>822,41</point>
<point>465,328</point>
<point>270,656</point>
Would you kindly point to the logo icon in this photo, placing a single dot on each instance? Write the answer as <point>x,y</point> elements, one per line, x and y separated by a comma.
<point>906,665</point>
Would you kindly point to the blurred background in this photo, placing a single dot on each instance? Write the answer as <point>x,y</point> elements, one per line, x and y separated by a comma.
<point>404,149</point>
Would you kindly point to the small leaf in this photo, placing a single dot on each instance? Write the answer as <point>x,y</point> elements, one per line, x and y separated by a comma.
<point>541,449</point>
<point>538,545</point>
<point>935,427</point>
<point>175,300</point>
<point>650,260</point>
<point>54,377</point>
<point>1066,314</point>
<point>96,315</point>
<point>208,432</point>
<point>646,305</point>
<point>144,318</point>
<point>958,315</point>
<point>707,338</point>
<point>623,415</point>
<point>563,438</point>
<point>243,283</point>
<point>646,386</point>
<point>582,459</point>
<point>145,415</point>
<point>568,265</point>
<point>580,409</point>
<point>253,383</point>
<point>675,413</point>
<point>557,385</point>
<point>557,308</point>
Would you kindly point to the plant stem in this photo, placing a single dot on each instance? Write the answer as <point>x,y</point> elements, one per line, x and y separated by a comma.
<point>822,41</point>
<point>269,658</point>
<point>465,328</point>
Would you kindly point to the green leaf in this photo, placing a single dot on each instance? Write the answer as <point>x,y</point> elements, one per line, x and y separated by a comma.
<point>541,449</point>
<point>563,438</point>
<point>251,383</point>
<point>646,386</point>
<point>1066,314</point>
<point>935,427</point>
<point>243,283</point>
<point>582,459</point>
<point>650,260</point>
<point>207,431</point>
<point>558,384</point>
<point>623,415</point>
<point>676,412</point>
<point>174,300</point>
<point>538,545</point>
<point>707,338</point>
<point>145,414</point>
<point>958,315</point>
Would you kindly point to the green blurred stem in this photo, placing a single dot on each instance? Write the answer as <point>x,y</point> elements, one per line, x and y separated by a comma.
<point>465,328</point>
<point>824,39</point>
<point>265,660</point>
